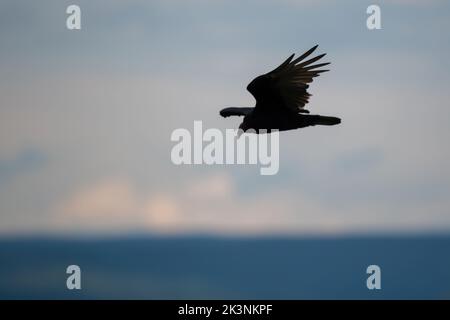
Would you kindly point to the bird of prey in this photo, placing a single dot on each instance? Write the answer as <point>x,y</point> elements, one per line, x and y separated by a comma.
<point>281,96</point>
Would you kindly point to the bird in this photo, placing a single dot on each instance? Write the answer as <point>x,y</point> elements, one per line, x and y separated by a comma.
<point>281,96</point>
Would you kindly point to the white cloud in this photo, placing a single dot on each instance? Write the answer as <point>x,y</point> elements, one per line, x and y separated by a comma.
<point>114,205</point>
<point>208,204</point>
<point>211,204</point>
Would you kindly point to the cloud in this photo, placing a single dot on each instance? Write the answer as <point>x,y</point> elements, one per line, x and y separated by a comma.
<point>101,104</point>
<point>211,204</point>
<point>357,175</point>
<point>114,205</point>
<point>25,161</point>
<point>207,204</point>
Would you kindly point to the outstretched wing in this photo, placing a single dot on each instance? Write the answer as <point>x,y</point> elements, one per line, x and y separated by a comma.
<point>287,85</point>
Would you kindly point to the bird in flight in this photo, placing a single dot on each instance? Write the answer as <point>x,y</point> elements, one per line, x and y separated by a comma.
<point>281,96</point>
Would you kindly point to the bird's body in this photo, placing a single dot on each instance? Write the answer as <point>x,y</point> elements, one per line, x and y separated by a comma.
<point>270,119</point>
<point>281,96</point>
<point>286,120</point>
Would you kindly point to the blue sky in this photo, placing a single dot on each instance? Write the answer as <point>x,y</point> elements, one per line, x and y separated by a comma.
<point>86,117</point>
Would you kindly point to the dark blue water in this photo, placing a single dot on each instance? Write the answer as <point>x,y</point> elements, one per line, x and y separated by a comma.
<point>412,267</point>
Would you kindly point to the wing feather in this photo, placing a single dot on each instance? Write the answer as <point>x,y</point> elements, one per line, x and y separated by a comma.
<point>289,82</point>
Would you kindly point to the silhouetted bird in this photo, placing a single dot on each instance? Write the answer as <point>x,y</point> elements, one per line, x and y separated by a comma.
<point>281,97</point>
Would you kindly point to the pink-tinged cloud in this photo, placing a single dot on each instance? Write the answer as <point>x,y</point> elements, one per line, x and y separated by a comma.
<point>208,204</point>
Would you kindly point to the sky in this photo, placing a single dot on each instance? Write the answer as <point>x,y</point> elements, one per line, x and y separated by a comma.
<point>86,117</point>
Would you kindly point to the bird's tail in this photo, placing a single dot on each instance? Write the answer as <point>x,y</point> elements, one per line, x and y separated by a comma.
<point>323,120</point>
<point>328,121</point>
